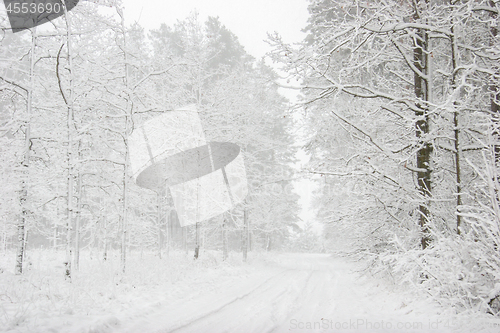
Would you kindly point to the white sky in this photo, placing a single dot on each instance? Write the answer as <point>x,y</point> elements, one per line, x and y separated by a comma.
<point>249,20</point>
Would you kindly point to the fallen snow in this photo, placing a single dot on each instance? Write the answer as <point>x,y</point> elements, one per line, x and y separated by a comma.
<point>270,293</point>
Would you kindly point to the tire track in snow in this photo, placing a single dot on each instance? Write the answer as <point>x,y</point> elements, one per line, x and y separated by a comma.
<point>269,306</point>
<point>315,302</point>
<point>292,292</point>
<point>266,286</point>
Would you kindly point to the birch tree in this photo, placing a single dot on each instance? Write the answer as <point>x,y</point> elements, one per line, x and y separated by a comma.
<point>21,228</point>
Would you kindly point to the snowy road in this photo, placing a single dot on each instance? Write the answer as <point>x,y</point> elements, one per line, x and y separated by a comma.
<point>303,293</point>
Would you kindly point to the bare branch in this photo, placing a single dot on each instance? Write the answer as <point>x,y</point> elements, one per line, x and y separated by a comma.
<point>58,77</point>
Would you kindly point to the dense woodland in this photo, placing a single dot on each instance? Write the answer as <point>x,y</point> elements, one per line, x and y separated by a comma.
<point>402,100</point>
<point>401,108</point>
<point>72,91</point>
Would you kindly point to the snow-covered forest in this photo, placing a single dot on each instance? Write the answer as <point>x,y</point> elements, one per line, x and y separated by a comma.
<point>403,101</point>
<point>397,113</point>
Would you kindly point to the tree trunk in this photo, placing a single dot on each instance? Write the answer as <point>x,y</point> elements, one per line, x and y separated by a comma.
<point>268,242</point>
<point>224,235</point>
<point>54,243</point>
<point>168,204</point>
<point>197,246</point>
<point>26,233</point>
<point>69,219</point>
<point>495,89</point>
<point>184,239</point>
<point>123,248</point>
<point>159,201</point>
<point>69,100</point>
<point>78,221</point>
<point>250,240</point>
<point>23,198</point>
<point>456,125</point>
<point>224,238</point>
<point>20,234</point>
<point>4,239</point>
<point>168,232</point>
<point>244,242</point>
<point>128,119</point>
<point>105,239</point>
<point>67,263</point>
<point>420,60</point>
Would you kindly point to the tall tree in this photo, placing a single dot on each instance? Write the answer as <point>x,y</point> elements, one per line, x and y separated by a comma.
<point>397,95</point>
<point>26,159</point>
<point>238,103</point>
<point>421,76</point>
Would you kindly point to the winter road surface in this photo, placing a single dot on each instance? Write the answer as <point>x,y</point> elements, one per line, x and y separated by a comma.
<point>303,293</point>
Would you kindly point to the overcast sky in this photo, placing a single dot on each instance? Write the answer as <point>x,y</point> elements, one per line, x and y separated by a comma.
<point>249,20</point>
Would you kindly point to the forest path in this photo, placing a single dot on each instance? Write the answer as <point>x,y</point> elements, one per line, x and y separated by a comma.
<point>302,293</point>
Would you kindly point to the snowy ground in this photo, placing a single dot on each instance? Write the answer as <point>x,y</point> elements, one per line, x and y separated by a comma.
<point>271,293</point>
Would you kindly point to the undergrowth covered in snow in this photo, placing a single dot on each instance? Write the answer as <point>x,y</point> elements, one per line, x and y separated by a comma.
<point>99,295</point>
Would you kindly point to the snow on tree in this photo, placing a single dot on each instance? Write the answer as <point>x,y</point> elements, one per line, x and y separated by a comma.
<point>399,96</point>
<point>94,81</point>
